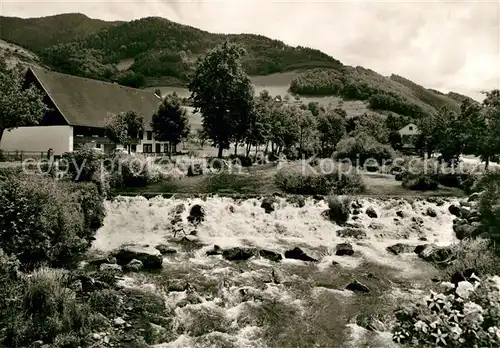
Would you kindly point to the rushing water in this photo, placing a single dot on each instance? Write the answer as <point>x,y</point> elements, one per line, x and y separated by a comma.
<point>240,304</point>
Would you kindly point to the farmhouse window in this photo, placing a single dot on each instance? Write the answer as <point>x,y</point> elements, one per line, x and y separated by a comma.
<point>147,148</point>
<point>150,135</point>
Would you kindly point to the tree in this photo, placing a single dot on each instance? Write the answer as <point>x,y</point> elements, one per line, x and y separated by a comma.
<point>331,127</point>
<point>124,127</point>
<point>259,126</point>
<point>486,131</point>
<point>170,123</point>
<point>223,93</point>
<point>18,106</point>
<point>395,140</point>
<point>373,125</point>
<point>314,108</point>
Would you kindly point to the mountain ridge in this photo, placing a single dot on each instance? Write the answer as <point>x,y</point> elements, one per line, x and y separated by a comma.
<point>157,51</point>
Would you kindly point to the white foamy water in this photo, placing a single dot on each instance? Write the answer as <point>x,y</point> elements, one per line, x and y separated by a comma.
<point>141,221</point>
<point>244,292</point>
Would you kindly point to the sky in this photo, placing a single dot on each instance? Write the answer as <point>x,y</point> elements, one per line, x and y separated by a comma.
<point>445,45</point>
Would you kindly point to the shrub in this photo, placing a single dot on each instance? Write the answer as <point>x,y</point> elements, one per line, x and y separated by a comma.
<point>420,182</point>
<point>489,209</point>
<point>478,255</point>
<point>293,180</point>
<point>106,302</point>
<point>47,310</point>
<point>83,164</point>
<point>483,182</point>
<point>362,147</point>
<point>137,171</point>
<point>6,173</point>
<point>339,209</point>
<point>9,267</point>
<point>48,221</point>
<point>463,315</point>
<point>245,161</point>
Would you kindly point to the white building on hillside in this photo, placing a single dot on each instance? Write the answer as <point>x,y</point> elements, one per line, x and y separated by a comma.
<point>408,134</point>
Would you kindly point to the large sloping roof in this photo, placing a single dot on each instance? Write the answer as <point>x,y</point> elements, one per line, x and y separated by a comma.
<point>87,102</point>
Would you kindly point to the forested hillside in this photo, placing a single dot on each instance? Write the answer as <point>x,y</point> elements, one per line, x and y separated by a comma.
<point>155,51</point>
<point>394,93</point>
<point>162,52</point>
<point>37,34</point>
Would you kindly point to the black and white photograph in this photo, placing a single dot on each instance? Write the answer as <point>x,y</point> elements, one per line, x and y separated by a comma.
<point>249,174</point>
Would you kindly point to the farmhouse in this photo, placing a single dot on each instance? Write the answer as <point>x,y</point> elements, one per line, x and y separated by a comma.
<point>77,111</point>
<point>408,135</point>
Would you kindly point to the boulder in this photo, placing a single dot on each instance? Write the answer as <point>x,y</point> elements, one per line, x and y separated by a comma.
<point>196,214</point>
<point>215,251</point>
<point>401,248</point>
<point>370,212</point>
<point>318,197</point>
<point>271,255</point>
<point>98,260</point>
<point>370,323</point>
<point>238,254</point>
<point>179,208</point>
<point>357,287</point>
<point>151,258</point>
<point>356,204</point>
<point>435,254</point>
<point>344,249</point>
<point>350,232</point>
<point>436,200</point>
<point>463,231</point>
<point>465,213</point>
<point>119,321</point>
<point>356,211</point>
<point>474,197</point>
<point>431,212</point>
<point>165,250</point>
<point>466,203</point>
<point>454,210</point>
<point>298,254</point>
<point>401,214</point>
<point>134,266</point>
<point>176,286</point>
<point>268,204</point>
<point>89,284</point>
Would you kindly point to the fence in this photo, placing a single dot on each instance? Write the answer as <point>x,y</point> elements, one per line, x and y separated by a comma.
<point>19,156</point>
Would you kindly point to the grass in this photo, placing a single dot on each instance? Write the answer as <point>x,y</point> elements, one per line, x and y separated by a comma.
<point>475,254</point>
<point>259,180</point>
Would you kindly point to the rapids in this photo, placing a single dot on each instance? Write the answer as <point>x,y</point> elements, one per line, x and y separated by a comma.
<point>241,306</point>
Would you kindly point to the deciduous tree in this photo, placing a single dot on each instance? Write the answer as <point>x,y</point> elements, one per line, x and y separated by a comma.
<point>331,127</point>
<point>124,127</point>
<point>18,106</point>
<point>170,123</point>
<point>223,93</point>
<point>487,128</point>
